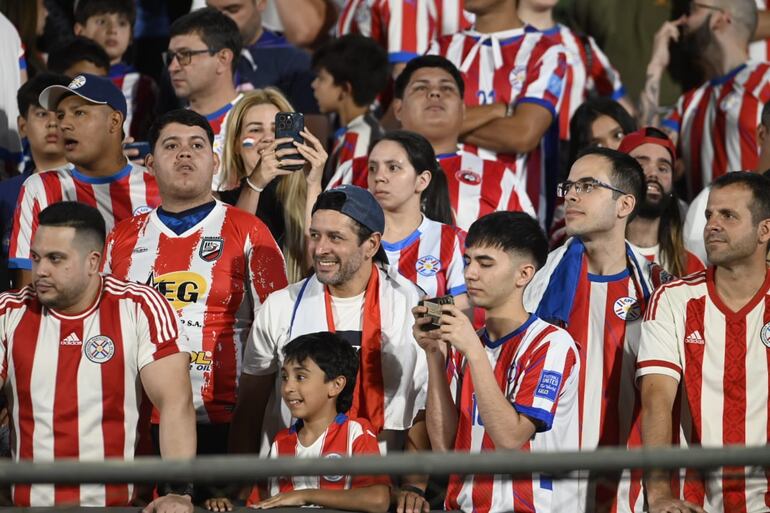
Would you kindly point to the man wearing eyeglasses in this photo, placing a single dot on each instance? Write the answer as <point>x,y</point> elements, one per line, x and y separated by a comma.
<point>716,123</point>
<point>596,286</point>
<point>201,60</point>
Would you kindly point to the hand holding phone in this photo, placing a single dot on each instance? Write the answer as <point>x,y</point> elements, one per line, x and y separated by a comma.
<point>434,311</point>
<point>290,124</point>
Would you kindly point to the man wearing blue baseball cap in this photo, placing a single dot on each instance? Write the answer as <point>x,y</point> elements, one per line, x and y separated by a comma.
<point>91,111</point>
<point>353,294</point>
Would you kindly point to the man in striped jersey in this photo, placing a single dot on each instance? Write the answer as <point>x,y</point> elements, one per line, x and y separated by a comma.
<point>517,389</point>
<point>214,263</point>
<point>715,124</point>
<point>76,350</point>
<point>91,111</point>
<point>707,337</point>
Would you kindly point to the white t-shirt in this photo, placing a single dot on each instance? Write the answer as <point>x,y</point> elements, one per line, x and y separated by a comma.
<point>11,59</point>
<point>694,223</point>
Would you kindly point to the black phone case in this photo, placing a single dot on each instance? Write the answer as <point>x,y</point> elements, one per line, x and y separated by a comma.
<point>290,124</point>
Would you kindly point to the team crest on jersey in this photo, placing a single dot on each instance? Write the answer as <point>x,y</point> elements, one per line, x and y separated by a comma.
<point>764,334</point>
<point>142,210</point>
<point>333,479</point>
<point>211,248</point>
<point>428,266</point>
<point>730,103</point>
<point>180,288</point>
<point>516,77</point>
<point>627,308</point>
<point>99,349</point>
<point>77,82</point>
<point>468,177</point>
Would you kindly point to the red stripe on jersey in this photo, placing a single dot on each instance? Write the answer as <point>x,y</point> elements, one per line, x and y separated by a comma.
<point>113,400</point>
<point>28,330</point>
<point>579,332</point>
<point>614,347</point>
<point>335,442</point>
<point>287,446</point>
<point>698,130</point>
<point>719,133</point>
<point>407,263</point>
<point>658,363</point>
<point>694,487</point>
<point>748,116</point>
<point>120,195</point>
<point>65,410</point>
<point>409,19</point>
<point>734,413</point>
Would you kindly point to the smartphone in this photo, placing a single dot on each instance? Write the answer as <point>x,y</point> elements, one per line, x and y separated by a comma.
<point>142,146</point>
<point>434,311</point>
<point>290,124</point>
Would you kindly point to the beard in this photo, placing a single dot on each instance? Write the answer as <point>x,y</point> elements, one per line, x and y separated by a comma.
<point>654,209</point>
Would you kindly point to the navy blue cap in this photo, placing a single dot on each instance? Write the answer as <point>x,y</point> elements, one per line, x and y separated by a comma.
<point>361,206</point>
<point>95,89</point>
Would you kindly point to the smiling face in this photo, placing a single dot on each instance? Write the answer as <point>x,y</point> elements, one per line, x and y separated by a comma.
<point>111,30</point>
<point>658,170</point>
<point>87,129</point>
<point>258,124</point>
<point>183,164</point>
<point>338,256</point>
<point>306,391</point>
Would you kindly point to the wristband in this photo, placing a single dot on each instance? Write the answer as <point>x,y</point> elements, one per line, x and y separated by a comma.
<point>250,184</point>
<point>413,489</point>
<point>179,489</point>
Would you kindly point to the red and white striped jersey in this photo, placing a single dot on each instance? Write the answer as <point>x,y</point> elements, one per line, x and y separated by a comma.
<point>722,362</point>
<point>431,257</point>
<point>589,70</point>
<point>760,50</point>
<point>214,275</point>
<point>344,437</point>
<point>141,97</point>
<point>130,191</point>
<point>693,264</point>
<point>536,367</point>
<point>515,66</point>
<point>352,141</point>
<point>218,122</point>
<point>717,124</point>
<point>74,381</point>
<point>479,186</point>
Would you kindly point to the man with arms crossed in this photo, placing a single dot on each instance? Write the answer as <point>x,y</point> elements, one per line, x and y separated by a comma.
<point>76,349</point>
<point>707,336</point>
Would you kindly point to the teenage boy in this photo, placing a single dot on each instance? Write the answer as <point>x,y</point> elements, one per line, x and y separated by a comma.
<point>77,56</point>
<point>513,385</point>
<point>111,24</point>
<point>318,378</point>
<point>351,72</point>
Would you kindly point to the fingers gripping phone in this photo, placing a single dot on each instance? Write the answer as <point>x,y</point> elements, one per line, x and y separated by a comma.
<point>434,311</point>
<point>290,124</point>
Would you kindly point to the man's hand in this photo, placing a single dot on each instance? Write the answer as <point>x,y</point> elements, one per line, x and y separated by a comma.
<point>292,498</point>
<point>218,504</point>
<point>457,330</point>
<point>427,340</point>
<point>661,56</point>
<point>410,502</point>
<point>669,505</point>
<point>170,503</point>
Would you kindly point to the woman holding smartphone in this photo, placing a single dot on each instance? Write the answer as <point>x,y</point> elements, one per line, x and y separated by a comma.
<point>277,195</point>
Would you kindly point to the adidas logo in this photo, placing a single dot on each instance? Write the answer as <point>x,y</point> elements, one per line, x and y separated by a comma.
<point>71,340</point>
<point>694,338</point>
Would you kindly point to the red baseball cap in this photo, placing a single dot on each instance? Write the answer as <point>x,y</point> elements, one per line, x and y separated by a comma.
<point>647,135</point>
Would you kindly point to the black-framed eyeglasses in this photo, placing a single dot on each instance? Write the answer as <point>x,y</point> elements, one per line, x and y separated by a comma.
<point>583,187</point>
<point>184,57</point>
<point>692,5</point>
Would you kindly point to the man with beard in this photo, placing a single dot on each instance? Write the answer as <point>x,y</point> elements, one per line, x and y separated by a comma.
<point>715,124</point>
<point>657,228</point>
<point>352,294</point>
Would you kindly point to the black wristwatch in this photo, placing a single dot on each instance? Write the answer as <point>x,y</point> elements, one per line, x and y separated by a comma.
<point>179,489</point>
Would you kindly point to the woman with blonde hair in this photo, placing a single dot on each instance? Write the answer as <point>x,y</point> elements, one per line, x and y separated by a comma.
<point>278,196</point>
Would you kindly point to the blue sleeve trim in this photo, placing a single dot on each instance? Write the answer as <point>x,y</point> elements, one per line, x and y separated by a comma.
<point>399,57</point>
<point>20,263</point>
<point>546,483</point>
<point>620,93</point>
<point>544,417</point>
<point>22,63</point>
<point>541,102</point>
<point>456,291</point>
<point>670,123</point>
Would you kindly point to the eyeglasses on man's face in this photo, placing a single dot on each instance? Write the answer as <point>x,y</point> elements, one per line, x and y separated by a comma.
<point>184,57</point>
<point>584,187</point>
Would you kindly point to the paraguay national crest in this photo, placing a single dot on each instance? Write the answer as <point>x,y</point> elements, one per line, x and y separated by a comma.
<point>211,248</point>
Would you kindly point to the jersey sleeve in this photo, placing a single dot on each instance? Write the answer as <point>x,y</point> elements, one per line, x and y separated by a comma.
<point>159,331</point>
<point>267,268</point>
<point>454,374</point>
<point>674,120</point>
<point>404,28</point>
<point>365,444</point>
<point>109,247</point>
<point>544,83</point>
<point>606,79</point>
<point>658,347</point>
<point>455,275</point>
<point>32,199</point>
<point>545,373</point>
<point>261,354</point>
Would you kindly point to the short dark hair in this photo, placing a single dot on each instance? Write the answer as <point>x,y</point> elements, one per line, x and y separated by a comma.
<point>217,31</point>
<point>333,355</point>
<point>586,114</point>
<point>185,117</point>
<point>76,50</point>
<point>28,94</point>
<point>766,115</point>
<point>428,61</point>
<point>758,184</point>
<point>85,219</point>
<point>625,173</point>
<point>357,60</point>
<point>87,8</point>
<point>334,200</point>
<point>516,232</point>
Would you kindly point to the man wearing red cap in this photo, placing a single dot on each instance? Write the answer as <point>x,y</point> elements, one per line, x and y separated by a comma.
<point>657,228</point>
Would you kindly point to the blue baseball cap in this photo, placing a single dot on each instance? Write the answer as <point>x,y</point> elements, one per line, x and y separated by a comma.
<point>95,89</point>
<point>361,206</point>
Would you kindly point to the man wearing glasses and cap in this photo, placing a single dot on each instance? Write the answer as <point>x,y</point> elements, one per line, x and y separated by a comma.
<point>596,286</point>
<point>91,111</point>
<point>350,293</point>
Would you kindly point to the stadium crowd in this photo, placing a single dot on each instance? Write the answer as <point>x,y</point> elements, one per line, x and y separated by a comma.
<point>323,228</point>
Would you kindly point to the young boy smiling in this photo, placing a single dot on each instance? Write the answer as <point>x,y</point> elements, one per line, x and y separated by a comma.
<point>318,381</point>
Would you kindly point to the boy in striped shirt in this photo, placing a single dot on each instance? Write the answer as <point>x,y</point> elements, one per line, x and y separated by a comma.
<point>318,377</point>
